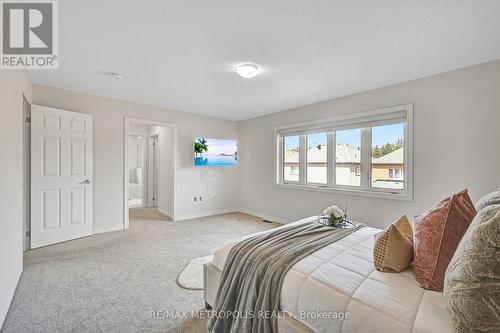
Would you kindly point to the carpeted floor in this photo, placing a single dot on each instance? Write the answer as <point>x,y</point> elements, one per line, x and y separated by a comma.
<point>147,214</point>
<point>111,282</point>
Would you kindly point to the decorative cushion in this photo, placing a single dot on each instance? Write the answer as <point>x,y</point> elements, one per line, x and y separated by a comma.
<point>437,233</point>
<point>492,198</point>
<point>472,280</point>
<point>393,250</point>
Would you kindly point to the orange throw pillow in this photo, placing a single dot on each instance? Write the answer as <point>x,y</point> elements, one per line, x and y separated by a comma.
<point>437,233</point>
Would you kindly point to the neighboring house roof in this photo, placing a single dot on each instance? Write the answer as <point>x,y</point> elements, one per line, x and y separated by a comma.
<point>345,154</point>
<point>291,156</point>
<point>317,154</point>
<point>395,157</point>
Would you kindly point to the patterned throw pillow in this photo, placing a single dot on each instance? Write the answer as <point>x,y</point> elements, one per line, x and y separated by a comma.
<point>492,198</point>
<point>393,250</point>
<point>437,233</point>
<point>472,280</point>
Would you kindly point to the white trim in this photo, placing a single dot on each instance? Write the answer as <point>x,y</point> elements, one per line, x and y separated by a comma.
<point>330,157</point>
<point>153,180</point>
<point>265,216</point>
<point>126,123</point>
<point>302,158</point>
<point>205,214</point>
<point>165,212</point>
<point>346,120</point>
<point>366,158</point>
<point>347,191</point>
<point>109,229</point>
<point>26,168</point>
<point>365,120</point>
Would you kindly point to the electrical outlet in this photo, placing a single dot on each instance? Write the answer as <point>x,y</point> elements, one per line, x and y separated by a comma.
<point>201,198</point>
<point>195,199</point>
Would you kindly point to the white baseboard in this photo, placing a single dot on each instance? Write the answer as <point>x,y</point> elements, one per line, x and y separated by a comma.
<point>108,229</point>
<point>265,216</point>
<point>232,210</point>
<point>165,212</point>
<point>205,214</point>
<point>135,206</point>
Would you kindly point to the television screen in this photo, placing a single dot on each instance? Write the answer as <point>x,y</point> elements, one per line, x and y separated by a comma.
<point>215,152</point>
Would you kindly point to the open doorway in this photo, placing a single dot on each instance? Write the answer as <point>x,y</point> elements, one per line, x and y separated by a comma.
<point>150,187</point>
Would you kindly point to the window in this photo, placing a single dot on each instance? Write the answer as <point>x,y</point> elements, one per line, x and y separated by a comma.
<point>388,156</point>
<point>291,171</point>
<point>348,157</point>
<point>368,153</point>
<point>317,150</point>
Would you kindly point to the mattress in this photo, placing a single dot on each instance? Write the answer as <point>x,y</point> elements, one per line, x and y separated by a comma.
<point>337,289</point>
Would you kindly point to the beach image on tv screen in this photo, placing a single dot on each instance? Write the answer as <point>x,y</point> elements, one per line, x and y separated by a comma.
<point>215,152</point>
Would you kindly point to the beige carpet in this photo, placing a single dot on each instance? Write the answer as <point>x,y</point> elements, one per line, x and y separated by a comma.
<point>150,214</point>
<point>192,325</point>
<point>112,282</point>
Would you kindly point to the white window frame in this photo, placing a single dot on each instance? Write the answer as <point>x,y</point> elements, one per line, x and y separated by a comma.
<point>364,120</point>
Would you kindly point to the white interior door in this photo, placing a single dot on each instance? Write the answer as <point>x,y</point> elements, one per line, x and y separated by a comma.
<point>61,175</point>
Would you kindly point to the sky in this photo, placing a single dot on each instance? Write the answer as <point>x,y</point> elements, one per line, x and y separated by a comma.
<point>387,133</point>
<point>380,136</point>
<point>220,146</point>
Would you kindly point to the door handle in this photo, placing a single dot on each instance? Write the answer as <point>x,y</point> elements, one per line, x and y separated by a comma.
<point>86,181</point>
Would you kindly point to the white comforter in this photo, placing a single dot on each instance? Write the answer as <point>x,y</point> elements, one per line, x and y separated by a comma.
<point>341,278</point>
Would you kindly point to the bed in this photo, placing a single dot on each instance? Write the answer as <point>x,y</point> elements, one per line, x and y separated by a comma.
<point>341,279</point>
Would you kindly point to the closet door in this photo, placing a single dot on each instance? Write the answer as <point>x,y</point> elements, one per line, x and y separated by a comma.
<point>61,175</point>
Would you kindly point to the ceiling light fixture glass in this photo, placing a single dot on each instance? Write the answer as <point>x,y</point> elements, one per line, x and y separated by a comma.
<point>116,76</point>
<point>247,71</point>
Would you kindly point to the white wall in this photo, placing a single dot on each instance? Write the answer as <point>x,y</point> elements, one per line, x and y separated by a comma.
<point>456,139</point>
<point>13,84</point>
<point>109,117</point>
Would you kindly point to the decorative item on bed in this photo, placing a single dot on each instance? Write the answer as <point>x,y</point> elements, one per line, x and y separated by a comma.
<point>472,280</point>
<point>393,249</point>
<point>336,217</point>
<point>437,234</point>
<point>252,278</point>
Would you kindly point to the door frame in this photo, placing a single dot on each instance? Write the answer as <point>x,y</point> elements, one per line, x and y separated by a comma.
<point>26,162</point>
<point>153,163</point>
<point>127,122</point>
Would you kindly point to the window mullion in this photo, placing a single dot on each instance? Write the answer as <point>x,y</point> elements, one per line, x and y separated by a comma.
<point>330,162</point>
<point>302,158</point>
<point>366,155</point>
<point>281,159</point>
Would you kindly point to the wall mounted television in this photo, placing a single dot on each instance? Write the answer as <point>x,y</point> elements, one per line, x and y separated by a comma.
<point>215,152</point>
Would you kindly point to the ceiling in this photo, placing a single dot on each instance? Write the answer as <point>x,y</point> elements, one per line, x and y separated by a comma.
<point>179,54</point>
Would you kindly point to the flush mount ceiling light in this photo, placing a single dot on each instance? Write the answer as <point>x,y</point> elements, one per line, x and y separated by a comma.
<point>116,76</point>
<point>247,71</point>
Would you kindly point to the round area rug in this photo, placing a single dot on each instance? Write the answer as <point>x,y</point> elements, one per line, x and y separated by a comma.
<point>191,276</point>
